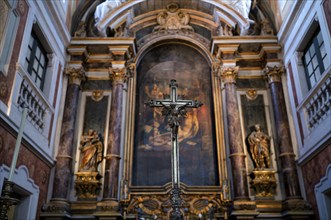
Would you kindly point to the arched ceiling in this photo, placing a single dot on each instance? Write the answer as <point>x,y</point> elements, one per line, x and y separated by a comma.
<point>140,17</point>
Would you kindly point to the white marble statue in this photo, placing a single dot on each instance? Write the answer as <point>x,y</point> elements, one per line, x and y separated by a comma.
<point>104,8</point>
<point>241,6</point>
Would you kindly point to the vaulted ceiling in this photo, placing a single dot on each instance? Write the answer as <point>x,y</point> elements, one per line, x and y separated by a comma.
<point>140,16</point>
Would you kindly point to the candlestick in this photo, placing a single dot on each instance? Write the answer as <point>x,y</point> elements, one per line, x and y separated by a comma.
<point>18,143</point>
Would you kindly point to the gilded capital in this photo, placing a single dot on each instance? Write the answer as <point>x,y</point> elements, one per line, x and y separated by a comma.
<point>229,74</point>
<point>274,74</point>
<point>76,75</point>
<point>118,75</point>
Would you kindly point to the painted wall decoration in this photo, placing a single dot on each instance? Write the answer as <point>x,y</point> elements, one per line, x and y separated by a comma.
<point>152,144</point>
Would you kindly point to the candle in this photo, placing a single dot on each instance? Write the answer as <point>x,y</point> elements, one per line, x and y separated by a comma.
<point>18,144</point>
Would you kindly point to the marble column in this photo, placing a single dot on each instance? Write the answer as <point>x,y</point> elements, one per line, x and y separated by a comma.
<point>63,169</point>
<point>284,144</point>
<point>237,156</point>
<point>118,77</point>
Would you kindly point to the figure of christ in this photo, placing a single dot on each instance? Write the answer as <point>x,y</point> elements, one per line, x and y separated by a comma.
<point>158,135</point>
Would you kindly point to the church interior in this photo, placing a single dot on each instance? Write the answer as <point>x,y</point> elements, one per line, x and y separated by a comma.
<point>165,109</point>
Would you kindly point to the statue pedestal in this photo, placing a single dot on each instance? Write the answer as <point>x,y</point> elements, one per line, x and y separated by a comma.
<point>264,184</point>
<point>87,185</point>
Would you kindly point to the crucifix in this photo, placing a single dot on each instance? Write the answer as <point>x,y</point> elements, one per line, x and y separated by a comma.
<point>174,109</point>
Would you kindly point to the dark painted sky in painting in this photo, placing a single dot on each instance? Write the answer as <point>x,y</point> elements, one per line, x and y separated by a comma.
<point>152,158</point>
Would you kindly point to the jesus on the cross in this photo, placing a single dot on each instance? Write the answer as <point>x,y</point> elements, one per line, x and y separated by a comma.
<point>174,109</point>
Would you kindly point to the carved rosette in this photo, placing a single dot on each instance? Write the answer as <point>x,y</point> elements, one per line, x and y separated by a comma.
<point>87,185</point>
<point>76,75</point>
<point>118,75</point>
<point>264,184</point>
<point>229,74</point>
<point>274,74</point>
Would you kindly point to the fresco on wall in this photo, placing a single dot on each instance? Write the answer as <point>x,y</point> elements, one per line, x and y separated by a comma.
<point>152,157</point>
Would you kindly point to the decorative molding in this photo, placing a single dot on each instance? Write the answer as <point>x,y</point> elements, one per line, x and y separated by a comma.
<point>173,19</point>
<point>264,183</point>
<point>97,95</point>
<point>251,94</point>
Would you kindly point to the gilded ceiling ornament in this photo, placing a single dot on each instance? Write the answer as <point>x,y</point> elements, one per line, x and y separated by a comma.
<point>229,73</point>
<point>274,74</point>
<point>76,75</point>
<point>97,95</point>
<point>173,19</point>
<point>251,94</point>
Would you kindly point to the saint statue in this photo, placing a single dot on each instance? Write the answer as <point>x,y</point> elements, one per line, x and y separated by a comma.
<point>241,6</point>
<point>104,8</point>
<point>259,146</point>
<point>91,149</point>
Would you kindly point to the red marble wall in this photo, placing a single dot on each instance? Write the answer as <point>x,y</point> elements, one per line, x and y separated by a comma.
<point>7,81</point>
<point>312,172</point>
<point>39,171</point>
<point>327,11</point>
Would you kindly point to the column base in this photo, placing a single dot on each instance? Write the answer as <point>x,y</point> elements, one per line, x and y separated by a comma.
<point>244,209</point>
<point>297,209</point>
<point>56,209</point>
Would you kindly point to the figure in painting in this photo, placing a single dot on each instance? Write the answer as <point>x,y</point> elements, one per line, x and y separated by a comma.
<point>91,148</point>
<point>259,146</point>
<point>156,129</point>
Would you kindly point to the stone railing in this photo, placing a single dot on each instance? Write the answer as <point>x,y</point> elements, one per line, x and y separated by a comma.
<point>318,105</point>
<point>36,106</point>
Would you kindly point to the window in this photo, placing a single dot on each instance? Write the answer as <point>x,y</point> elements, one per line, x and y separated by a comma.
<point>315,59</point>
<point>36,61</point>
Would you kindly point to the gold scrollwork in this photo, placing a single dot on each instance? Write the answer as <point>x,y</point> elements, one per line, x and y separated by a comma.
<point>97,95</point>
<point>229,74</point>
<point>173,19</point>
<point>251,94</point>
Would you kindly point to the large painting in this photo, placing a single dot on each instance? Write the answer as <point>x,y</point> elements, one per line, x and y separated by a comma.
<point>196,136</point>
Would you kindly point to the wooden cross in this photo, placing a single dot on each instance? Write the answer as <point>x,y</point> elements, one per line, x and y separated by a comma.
<point>173,108</point>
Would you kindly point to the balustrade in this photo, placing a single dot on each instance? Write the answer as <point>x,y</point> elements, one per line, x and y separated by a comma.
<point>36,108</point>
<point>318,106</point>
